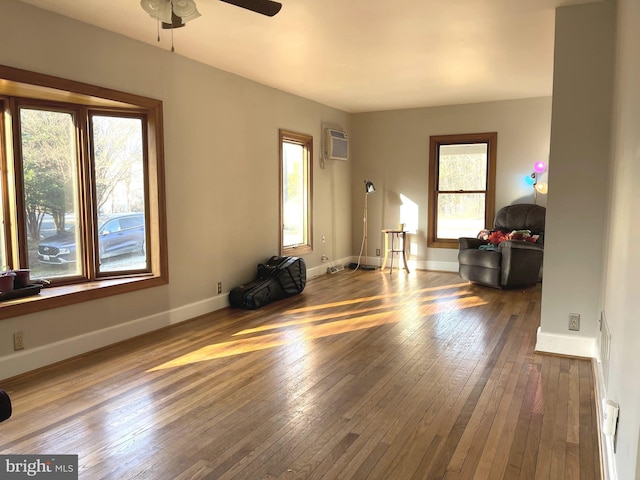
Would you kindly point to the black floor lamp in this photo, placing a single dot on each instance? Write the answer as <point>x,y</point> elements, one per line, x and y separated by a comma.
<point>368,188</point>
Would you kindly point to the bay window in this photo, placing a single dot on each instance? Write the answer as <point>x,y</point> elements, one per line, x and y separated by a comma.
<point>82,185</point>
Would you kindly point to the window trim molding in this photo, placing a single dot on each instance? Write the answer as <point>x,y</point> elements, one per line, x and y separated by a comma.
<point>60,296</point>
<point>491,139</point>
<point>307,142</point>
<point>42,88</point>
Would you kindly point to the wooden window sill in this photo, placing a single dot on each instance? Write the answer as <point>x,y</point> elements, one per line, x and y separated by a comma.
<point>54,297</point>
<point>443,244</point>
<point>297,250</point>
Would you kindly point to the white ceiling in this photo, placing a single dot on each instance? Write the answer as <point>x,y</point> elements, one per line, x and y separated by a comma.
<point>360,55</point>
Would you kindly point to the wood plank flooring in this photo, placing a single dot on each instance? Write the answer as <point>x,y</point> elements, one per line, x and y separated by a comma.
<point>363,376</point>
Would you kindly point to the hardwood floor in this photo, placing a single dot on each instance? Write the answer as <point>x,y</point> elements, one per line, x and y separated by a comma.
<point>364,375</point>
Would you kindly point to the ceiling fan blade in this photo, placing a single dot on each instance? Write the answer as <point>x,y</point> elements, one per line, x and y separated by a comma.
<point>265,7</point>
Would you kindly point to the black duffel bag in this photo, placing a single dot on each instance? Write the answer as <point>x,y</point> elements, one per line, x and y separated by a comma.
<point>5,406</point>
<point>278,278</point>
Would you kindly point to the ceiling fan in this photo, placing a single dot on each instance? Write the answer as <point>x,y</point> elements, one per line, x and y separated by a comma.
<point>175,13</point>
<point>265,7</point>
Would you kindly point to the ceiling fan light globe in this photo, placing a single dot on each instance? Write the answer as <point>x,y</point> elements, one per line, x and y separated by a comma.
<point>188,18</point>
<point>152,7</point>
<point>159,9</point>
<point>185,9</point>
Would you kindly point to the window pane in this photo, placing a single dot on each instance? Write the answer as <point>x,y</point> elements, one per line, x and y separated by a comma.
<point>460,214</point>
<point>293,194</point>
<point>463,167</point>
<point>49,164</point>
<point>120,193</point>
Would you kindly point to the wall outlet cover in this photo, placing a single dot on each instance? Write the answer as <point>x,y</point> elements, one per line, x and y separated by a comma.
<point>574,322</point>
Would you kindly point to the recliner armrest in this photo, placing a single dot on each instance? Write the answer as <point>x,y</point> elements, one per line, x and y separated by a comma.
<point>520,245</point>
<point>521,262</point>
<point>469,242</point>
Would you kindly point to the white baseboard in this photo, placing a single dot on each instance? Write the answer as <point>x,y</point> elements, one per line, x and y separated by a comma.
<point>38,357</point>
<point>608,460</point>
<point>439,266</point>
<point>434,266</point>
<point>322,268</point>
<point>607,455</point>
<point>32,359</point>
<point>316,272</point>
<point>576,346</point>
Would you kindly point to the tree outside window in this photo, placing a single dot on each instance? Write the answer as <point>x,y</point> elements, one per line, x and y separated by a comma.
<point>49,172</point>
<point>52,175</point>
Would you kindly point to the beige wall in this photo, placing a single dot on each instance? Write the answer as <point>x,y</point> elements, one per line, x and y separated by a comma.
<point>621,292</point>
<point>392,150</point>
<point>221,162</point>
<point>578,175</point>
<point>595,158</point>
<point>221,151</point>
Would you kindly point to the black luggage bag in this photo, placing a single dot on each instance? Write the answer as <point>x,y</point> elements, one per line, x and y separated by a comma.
<point>5,406</point>
<point>279,278</point>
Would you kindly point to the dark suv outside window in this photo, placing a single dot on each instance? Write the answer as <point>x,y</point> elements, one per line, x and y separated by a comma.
<point>117,235</point>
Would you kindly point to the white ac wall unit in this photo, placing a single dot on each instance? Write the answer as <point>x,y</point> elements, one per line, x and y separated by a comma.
<point>336,145</point>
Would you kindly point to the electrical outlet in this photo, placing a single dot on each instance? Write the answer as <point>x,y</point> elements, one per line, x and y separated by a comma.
<point>219,287</point>
<point>324,258</point>
<point>18,341</point>
<point>574,321</point>
<point>377,252</point>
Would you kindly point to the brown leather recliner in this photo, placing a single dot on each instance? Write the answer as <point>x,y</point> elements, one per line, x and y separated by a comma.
<point>516,263</point>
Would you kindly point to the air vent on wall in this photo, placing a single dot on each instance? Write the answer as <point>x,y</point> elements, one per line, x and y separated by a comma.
<point>336,145</point>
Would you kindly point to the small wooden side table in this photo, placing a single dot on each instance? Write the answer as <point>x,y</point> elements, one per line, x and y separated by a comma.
<point>391,237</point>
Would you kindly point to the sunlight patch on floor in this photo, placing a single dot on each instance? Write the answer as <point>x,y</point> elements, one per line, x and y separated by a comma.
<point>304,330</point>
<point>332,316</point>
<point>375,297</point>
<point>271,340</point>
